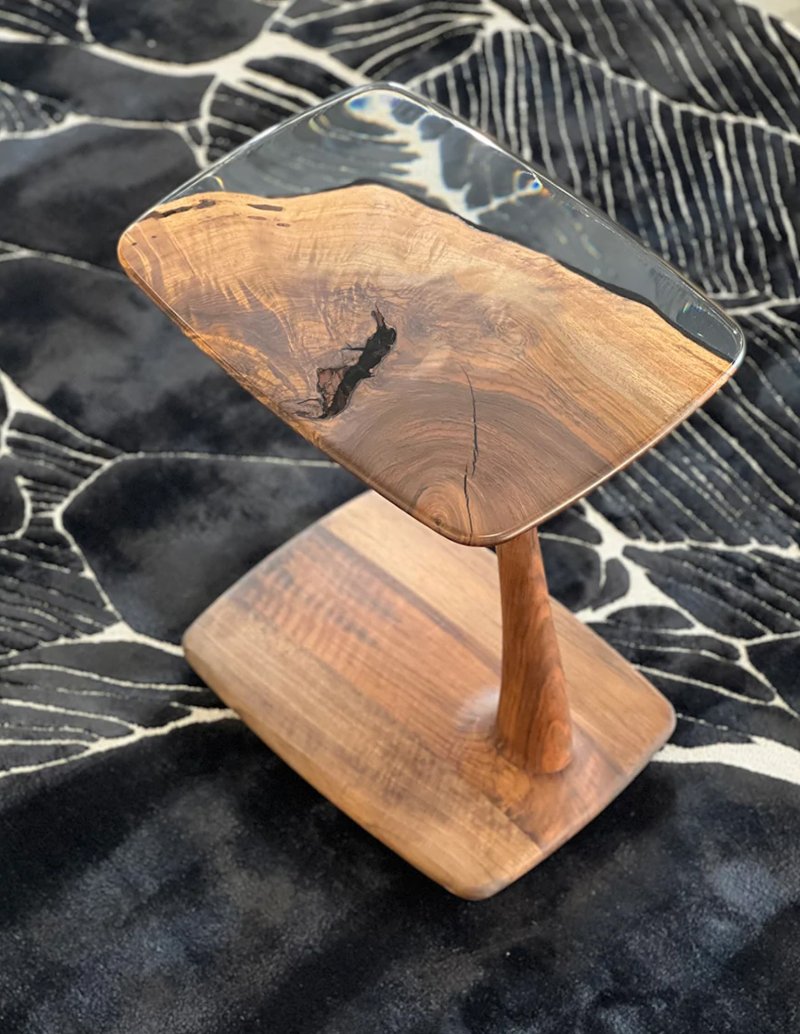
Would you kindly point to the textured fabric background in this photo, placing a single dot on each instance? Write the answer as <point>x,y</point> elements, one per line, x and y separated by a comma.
<point>162,871</point>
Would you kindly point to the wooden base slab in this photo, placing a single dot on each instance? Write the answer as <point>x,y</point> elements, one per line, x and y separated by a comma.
<point>366,653</point>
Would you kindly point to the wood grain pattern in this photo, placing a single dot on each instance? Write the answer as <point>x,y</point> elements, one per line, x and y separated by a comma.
<point>533,721</point>
<point>366,652</point>
<point>477,384</point>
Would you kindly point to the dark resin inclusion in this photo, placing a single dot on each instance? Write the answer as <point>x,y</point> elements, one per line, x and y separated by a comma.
<point>335,384</point>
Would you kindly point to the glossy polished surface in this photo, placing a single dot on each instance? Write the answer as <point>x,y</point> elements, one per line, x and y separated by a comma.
<point>339,267</point>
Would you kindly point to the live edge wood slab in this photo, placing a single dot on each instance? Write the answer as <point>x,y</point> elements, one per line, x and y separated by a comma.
<point>481,387</point>
<point>477,384</point>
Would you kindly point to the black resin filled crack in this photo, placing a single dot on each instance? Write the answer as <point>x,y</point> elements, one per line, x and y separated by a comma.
<point>205,203</point>
<point>336,384</point>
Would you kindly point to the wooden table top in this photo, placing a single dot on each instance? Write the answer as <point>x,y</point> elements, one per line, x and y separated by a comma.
<point>480,385</point>
<point>477,384</point>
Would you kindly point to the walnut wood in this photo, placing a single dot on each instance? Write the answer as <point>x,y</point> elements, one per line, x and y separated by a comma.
<point>366,652</point>
<point>479,385</point>
<point>533,722</point>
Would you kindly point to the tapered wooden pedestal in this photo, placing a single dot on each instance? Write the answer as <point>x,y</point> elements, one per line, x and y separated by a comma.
<point>367,653</point>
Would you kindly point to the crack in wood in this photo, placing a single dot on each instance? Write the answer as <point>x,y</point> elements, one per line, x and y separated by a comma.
<point>466,498</point>
<point>336,384</point>
<point>475,449</point>
<point>205,203</point>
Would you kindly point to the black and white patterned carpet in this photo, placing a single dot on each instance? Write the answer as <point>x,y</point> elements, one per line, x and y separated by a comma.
<point>160,870</point>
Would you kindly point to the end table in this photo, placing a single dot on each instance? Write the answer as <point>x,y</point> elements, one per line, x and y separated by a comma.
<point>482,349</point>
